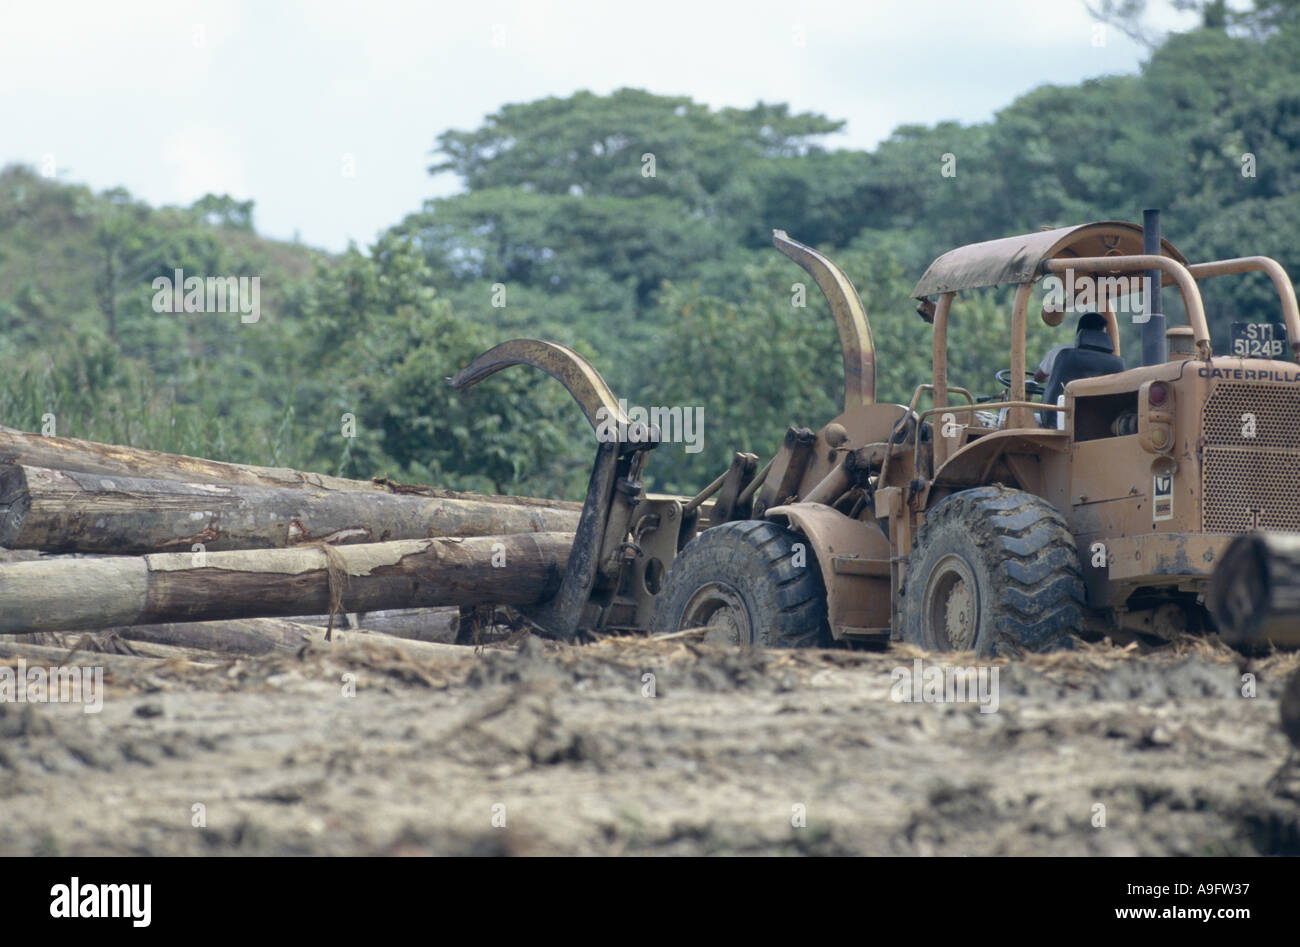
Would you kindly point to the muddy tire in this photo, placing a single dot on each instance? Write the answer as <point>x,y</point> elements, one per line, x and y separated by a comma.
<point>995,571</point>
<point>741,578</point>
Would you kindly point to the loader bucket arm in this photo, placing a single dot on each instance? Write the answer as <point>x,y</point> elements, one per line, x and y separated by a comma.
<point>613,489</point>
<point>850,319</point>
<point>566,366</point>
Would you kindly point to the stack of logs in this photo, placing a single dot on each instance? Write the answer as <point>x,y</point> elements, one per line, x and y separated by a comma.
<point>154,539</point>
<point>163,538</point>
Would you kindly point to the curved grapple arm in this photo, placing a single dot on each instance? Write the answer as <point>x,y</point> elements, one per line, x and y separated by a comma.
<point>850,319</point>
<point>566,366</point>
<point>613,490</point>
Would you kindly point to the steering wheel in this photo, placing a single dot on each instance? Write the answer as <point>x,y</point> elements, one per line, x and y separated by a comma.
<point>1031,387</point>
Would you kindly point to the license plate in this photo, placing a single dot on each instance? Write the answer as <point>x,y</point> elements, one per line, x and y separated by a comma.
<point>1258,339</point>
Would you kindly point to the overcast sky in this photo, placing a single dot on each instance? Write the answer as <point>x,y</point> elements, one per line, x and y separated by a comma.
<point>267,100</point>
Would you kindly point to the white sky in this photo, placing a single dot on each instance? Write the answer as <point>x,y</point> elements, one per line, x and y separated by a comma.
<point>263,100</point>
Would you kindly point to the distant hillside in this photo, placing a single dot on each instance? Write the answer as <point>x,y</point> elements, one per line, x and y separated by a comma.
<point>79,336</point>
<point>62,247</point>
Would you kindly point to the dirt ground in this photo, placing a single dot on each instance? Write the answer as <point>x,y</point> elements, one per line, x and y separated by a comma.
<point>550,749</point>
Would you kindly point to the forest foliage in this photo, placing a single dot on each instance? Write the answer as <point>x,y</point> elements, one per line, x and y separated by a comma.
<point>667,281</point>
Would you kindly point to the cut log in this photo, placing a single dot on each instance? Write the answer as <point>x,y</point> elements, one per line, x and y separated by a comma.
<point>45,656</point>
<point>418,624</point>
<point>77,594</point>
<point>249,636</point>
<point>1254,594</point>
<point>261,636</point>
<point>420,650</point>
<point>66,453</point>
<point>74,511</point>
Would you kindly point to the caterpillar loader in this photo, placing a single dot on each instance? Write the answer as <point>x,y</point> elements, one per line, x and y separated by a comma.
<point>967,525</point>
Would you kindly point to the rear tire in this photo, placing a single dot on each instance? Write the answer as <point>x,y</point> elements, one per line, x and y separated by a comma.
<point>742,577</point>
<point>993,570</point>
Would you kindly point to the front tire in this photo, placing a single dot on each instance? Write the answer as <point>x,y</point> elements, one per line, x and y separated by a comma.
<point>754,581</point>
<point>995,571</point>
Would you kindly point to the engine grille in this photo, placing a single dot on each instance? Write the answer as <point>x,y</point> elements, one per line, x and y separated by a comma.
<point>1250,483</point>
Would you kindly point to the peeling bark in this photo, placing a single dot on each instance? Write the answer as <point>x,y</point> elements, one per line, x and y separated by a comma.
<point>65,453</point>
<point>84,594</point>
<point>74,511</point>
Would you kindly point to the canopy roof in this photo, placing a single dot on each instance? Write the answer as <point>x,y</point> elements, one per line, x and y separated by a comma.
<point>1019,259</point>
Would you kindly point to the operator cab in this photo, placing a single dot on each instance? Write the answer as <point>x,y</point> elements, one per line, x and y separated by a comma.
<point>1070,257</point>
<point>1092,354</point>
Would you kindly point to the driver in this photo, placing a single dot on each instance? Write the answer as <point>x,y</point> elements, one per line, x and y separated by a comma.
<point>1089,320</point>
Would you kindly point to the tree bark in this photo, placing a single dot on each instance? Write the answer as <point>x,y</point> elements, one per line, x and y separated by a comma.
<point>73,511</point>
<point>64,453</point>
<point>77,594</point>
<point>249,636</point>
<point>424,624</point>
<point>48,656</point>
<point>1254,594</point>
<point>261,636</point>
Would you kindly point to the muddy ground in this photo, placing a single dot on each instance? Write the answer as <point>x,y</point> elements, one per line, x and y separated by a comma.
<point>564,746</point>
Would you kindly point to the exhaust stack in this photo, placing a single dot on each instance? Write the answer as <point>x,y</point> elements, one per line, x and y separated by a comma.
<point>1154,346</point>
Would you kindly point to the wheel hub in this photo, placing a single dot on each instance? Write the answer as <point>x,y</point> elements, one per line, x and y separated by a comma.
<point>960,624</point>
<point>951,606</point>
<point>719,607</point>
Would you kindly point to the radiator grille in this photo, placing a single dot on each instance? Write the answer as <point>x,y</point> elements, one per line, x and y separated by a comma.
<point>1251,483</point>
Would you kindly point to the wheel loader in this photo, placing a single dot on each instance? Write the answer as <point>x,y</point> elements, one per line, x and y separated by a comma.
<point>968,525</point>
